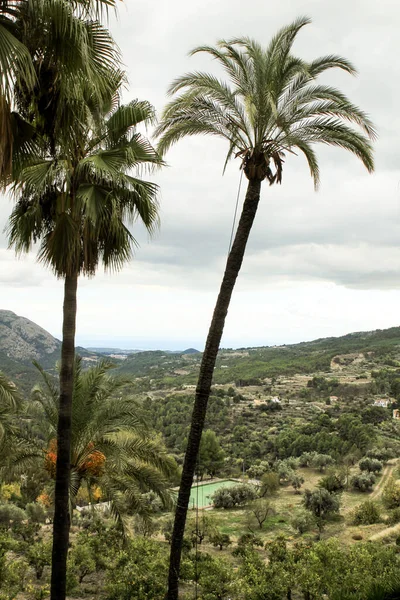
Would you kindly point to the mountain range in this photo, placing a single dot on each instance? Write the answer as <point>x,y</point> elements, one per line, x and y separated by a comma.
<point>22,341</point>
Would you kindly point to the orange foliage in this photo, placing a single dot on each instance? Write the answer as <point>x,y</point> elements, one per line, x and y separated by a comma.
<point>94,464</point>
<point>44,499</point>
<point>51,458</point>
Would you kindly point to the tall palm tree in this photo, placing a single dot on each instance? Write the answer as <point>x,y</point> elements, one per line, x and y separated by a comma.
<point>270,105</point>
<point>111,446</point>
<point>74,68</point>
<point>76,205</point>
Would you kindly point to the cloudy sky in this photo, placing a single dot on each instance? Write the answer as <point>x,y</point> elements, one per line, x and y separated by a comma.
<point>317,264</point>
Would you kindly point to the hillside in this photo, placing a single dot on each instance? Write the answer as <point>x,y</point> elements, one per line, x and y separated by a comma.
<point>23,341</point>
<point>363,350</point>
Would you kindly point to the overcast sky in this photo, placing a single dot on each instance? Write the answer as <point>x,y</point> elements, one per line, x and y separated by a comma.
<point>317,264</point>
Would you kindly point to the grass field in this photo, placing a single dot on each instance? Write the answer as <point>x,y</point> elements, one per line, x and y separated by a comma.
<point>201,495</point>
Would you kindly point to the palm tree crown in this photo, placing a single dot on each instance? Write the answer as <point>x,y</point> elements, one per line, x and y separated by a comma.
<point>271,105</point>
<point>77,208</point>
<point>39,40</point>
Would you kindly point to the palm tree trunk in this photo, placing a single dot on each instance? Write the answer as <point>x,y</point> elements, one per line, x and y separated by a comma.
<point>61,523</point>
<point>232,269</point>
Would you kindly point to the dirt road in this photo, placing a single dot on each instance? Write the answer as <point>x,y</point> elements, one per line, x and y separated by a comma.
<point>386,474</point>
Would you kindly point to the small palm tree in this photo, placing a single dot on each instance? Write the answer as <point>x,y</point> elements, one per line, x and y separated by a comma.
<point>77,205</point>
<point>10,403</point>
<point>111,446</point>
<point>271,105</point>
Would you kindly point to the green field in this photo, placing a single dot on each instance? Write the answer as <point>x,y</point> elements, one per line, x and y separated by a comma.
<point>201,495</point>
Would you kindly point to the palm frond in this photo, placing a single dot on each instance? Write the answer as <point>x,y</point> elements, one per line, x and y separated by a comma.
<point>10,396</point>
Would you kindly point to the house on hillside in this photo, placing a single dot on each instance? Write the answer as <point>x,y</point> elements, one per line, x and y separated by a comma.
<point>275,400</point>
<point>396,413</point>
<point>333,398</point>
<point>382,402</point>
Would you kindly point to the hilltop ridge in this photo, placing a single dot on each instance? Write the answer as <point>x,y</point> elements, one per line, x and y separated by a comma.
<point>22,341</point>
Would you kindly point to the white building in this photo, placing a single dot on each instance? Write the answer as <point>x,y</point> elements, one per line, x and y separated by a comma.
<point>382,403</point>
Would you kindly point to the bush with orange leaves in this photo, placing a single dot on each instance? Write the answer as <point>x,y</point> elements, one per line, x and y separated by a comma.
<point>44,499</point>
<point>50,458</point>
<point>93,465</point>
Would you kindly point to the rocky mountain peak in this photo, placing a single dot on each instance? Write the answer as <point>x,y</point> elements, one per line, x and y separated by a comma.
<point>23,340</point>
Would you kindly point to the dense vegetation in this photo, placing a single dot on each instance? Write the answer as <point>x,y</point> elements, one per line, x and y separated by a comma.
<point>320,455</point>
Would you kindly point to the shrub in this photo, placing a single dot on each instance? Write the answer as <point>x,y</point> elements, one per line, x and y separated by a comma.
<point>167,528</point>
<point>11,492</point>
<point>257,471</point>
<point>216,579</point>
<point>284,471</point>
<point>237,495</point>
<point>303,521</point>
<point>305,459</point>
<point>296,482</point>
<point>104,544</point>
<point>333,482</point>
<point>9,513</point>
<point>269,484</point>
<point>366,513</point>
<point>391,494</point>
<point>145,526</point>
<point>27,531</point>
<point>363,481</point>
<point>220,540</point>
<point>39,556</point>
<point>13,576</point>
<point>382,454</point>
<point>36,512</point>
<point>321,461</point>
<point>82,562</point>
<point>246,542</point>
<point>394,516</point>
<point>371,465</point>
<point>139,571</point>
<point>321,503</point>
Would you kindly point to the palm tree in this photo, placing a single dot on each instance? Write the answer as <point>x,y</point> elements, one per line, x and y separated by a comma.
<point>73,73</point>
<point>10,403</point>
<point>76,204</point>
<point>111,446</point>
<point>270,106</point>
